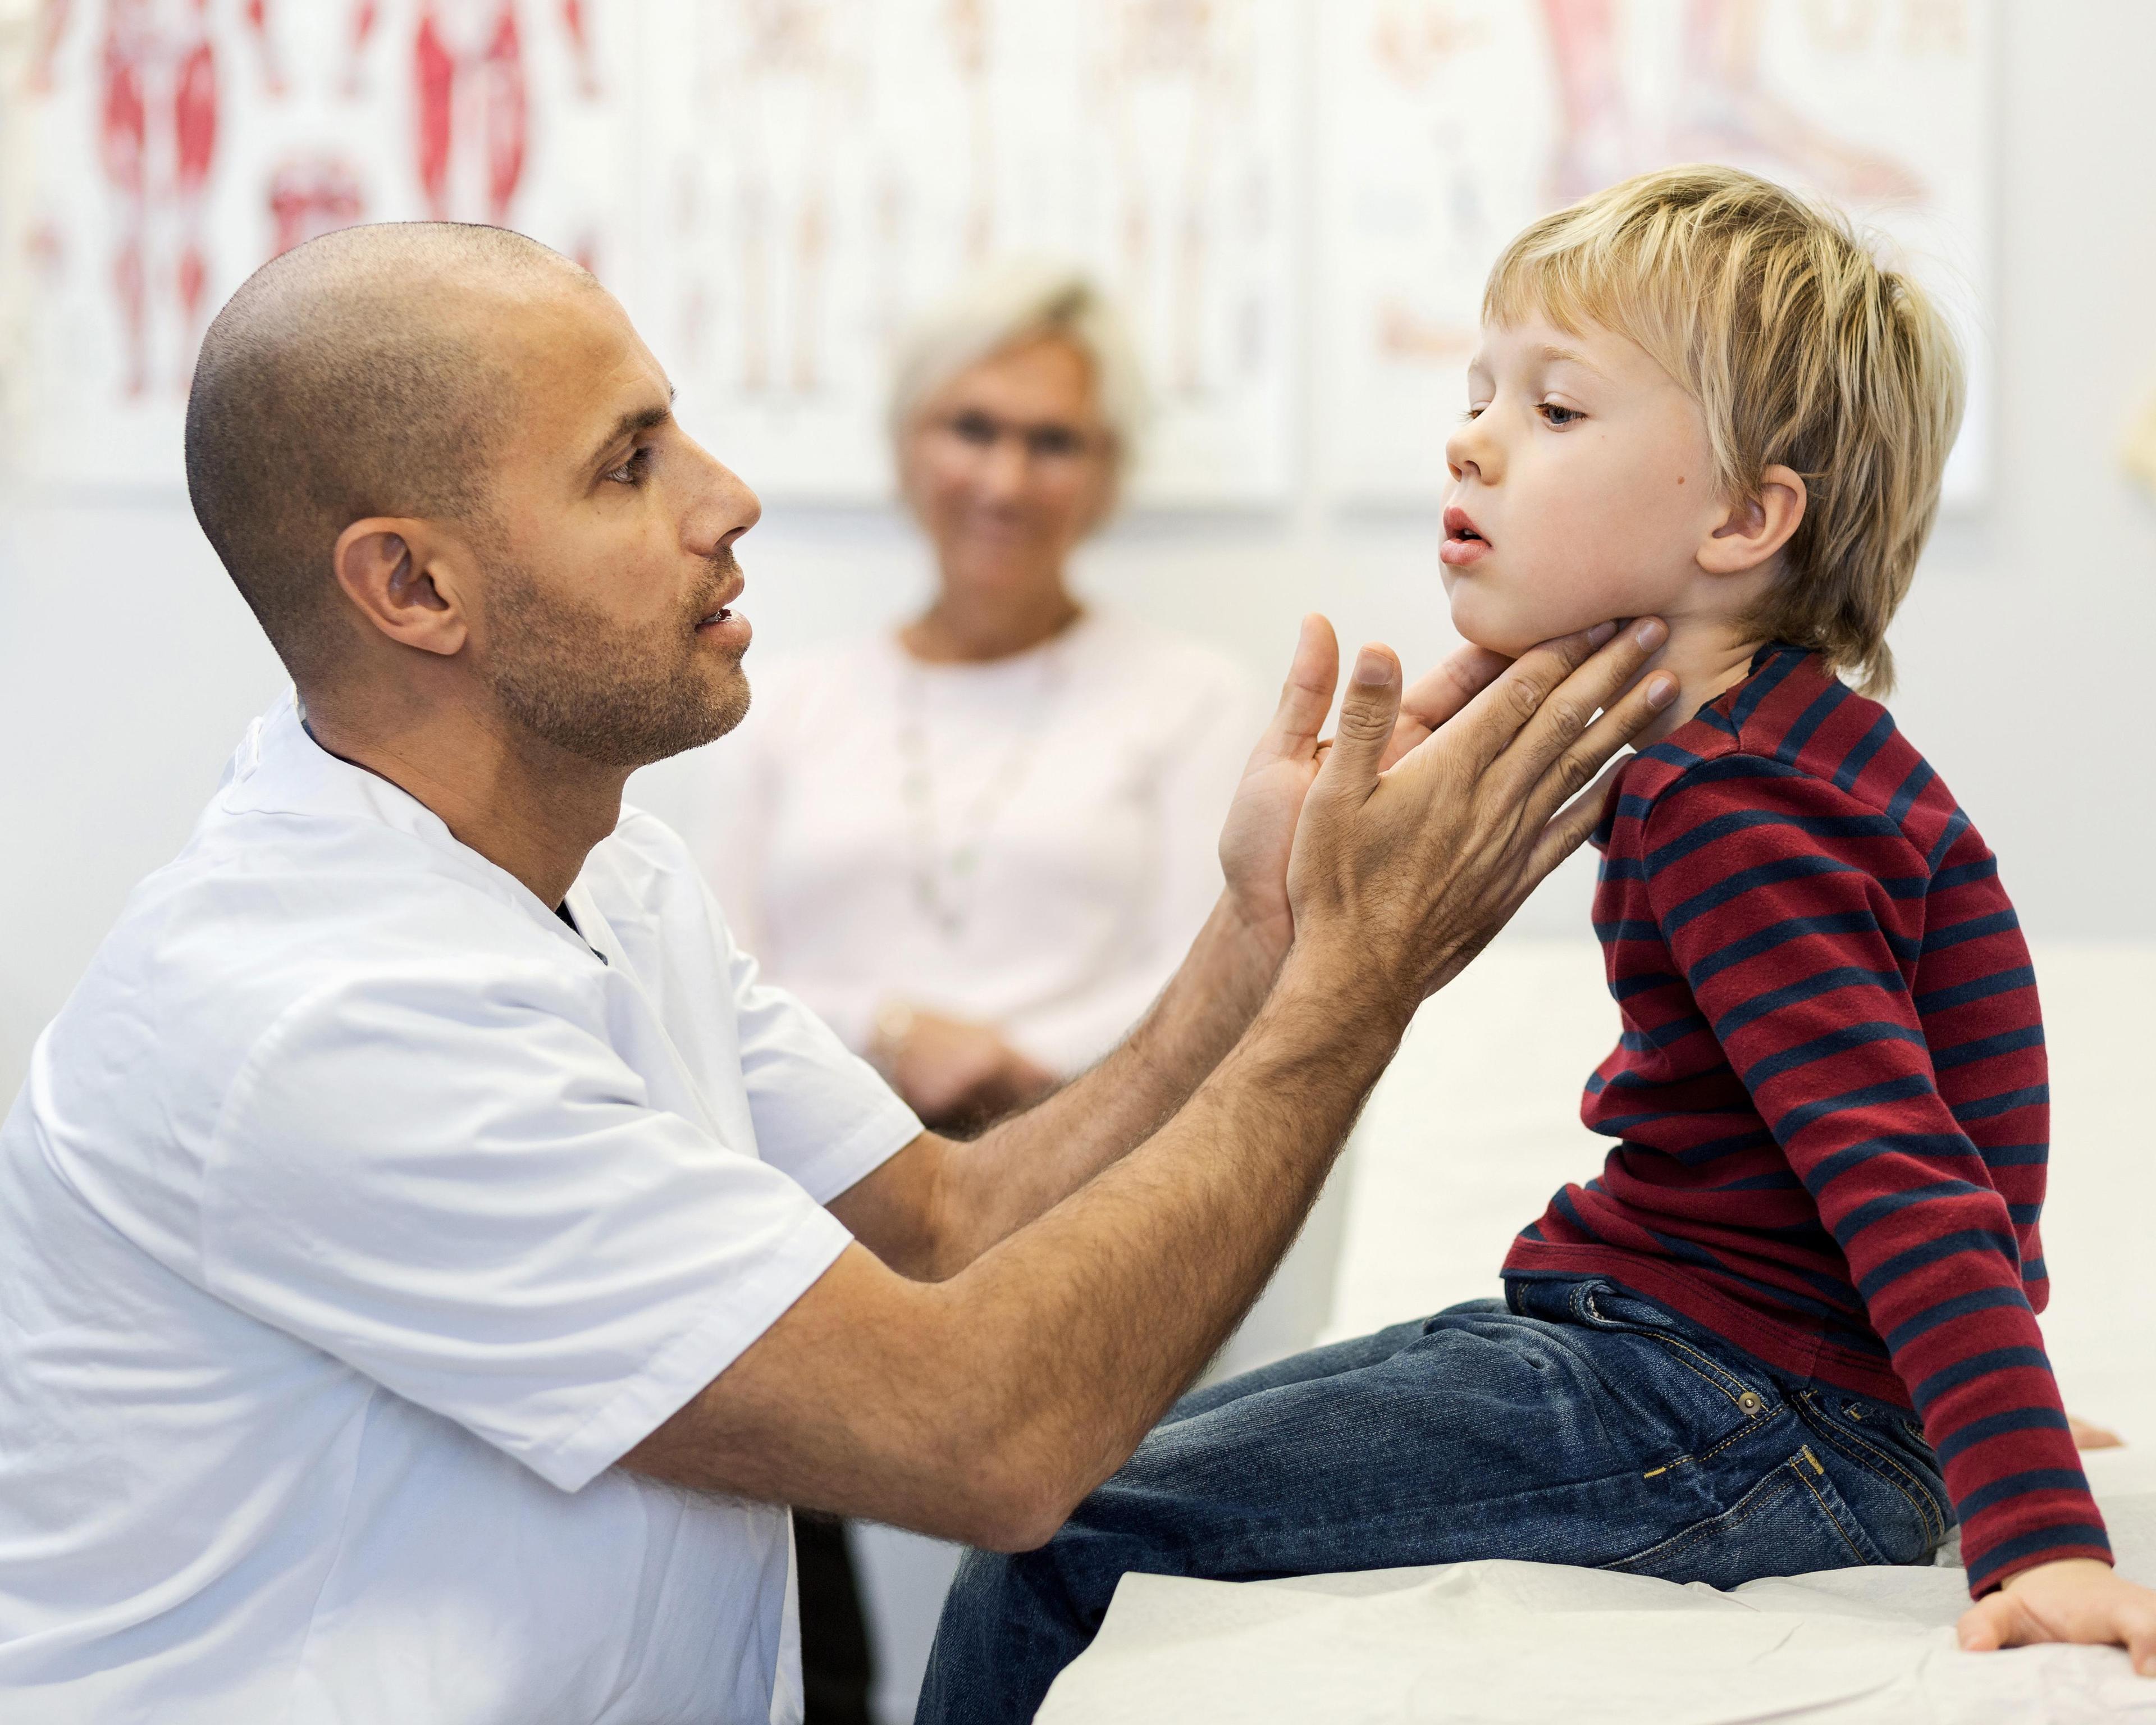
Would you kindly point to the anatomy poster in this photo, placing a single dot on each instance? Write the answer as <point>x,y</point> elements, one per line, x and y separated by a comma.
<point>176,145</point>
<point>1446,125</point>
<point>827,167</point>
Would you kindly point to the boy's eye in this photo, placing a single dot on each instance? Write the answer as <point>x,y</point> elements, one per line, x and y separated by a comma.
<point>1474,410</point>
<point>1553,415</point>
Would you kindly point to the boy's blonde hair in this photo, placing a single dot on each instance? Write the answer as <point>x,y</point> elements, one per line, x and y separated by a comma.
<point>1801,350</point>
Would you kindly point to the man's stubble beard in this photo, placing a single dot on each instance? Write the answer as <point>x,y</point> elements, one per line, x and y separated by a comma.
<point>616,696</point>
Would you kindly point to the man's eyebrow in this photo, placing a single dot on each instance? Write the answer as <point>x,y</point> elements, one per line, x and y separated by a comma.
<point>635,420</point>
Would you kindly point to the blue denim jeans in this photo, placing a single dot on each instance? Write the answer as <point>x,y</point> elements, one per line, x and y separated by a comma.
<point>1570,1423</point>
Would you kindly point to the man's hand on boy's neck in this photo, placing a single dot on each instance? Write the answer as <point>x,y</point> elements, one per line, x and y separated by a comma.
<point>1708,658</point>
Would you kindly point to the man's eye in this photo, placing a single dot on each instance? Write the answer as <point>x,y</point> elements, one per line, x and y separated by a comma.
<point>632,471</point>
<point>1553,415</point>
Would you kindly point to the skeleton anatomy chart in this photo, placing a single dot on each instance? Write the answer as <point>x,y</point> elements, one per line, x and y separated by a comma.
<point>1446,125</point>
<point>774,186</point>
<point>864,152</point>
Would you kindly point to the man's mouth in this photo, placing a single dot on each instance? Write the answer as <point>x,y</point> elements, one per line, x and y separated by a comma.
<point>722,613</point>
<point>1464,543</point>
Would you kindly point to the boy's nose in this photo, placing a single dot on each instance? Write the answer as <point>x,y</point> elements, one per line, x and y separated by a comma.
<point>1470,450</point>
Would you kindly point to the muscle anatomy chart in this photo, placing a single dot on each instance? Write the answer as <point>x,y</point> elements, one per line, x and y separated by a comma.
<point>1446,125</point>
<point>864,153</point>
<point>175,145</point>
<point>775,186</point>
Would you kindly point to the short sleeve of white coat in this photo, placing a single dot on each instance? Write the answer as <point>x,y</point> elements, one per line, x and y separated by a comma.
<point>459,1189</point>
<point>823,1129</point>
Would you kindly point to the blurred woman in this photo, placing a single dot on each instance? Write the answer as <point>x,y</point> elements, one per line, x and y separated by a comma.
<point>977,844</point>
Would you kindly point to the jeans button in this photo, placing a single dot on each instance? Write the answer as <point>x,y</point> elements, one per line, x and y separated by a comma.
<point>1751,1402</point>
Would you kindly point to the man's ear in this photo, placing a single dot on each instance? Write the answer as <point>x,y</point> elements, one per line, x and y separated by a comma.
<point>1756,527</point>
<point>393,572</point>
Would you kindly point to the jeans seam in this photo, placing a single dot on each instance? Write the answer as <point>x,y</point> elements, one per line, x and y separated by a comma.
<point>1858,1448</point>
<point>1833,1520</point>
<point>1735,1516</point>
<point>1756,1423</point>
<point>1688,1356</point>
<point>1873,1462</point>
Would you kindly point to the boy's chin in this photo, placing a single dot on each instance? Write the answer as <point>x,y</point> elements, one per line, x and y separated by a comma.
<point>1511,636</point>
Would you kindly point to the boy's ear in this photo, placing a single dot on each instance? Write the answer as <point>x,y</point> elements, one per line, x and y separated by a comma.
<point>1756,527</point>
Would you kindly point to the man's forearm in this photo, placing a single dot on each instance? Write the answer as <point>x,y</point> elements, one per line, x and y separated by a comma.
<point>1003,1180</point>
<point>984,1408</point>
<point>1179,1236</point>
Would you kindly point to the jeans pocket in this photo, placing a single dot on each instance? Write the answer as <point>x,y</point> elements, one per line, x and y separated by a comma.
<point>1903,1493</point>
<point>1791,1522</point>
<point>1602,1306</point>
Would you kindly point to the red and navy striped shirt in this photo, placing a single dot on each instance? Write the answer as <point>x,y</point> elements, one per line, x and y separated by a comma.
<point>1830,1091</point>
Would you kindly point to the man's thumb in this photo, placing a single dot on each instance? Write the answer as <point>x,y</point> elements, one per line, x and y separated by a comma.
<point>1367,712</point>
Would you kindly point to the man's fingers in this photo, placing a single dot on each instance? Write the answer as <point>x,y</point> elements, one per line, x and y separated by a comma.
<point>1437,695</point>
<point>1599,744</point>
<point>1367,713</point>
<point>1562,745</point>
<point>1502,714</point>
<point>1568,829</point>
<point>1306,695</point>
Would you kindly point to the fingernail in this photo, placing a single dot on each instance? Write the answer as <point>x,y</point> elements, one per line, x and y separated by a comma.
<point>1371,667</point>
<point>1600,633</point>
<point>1652,632</point>
<point>1662,691</point>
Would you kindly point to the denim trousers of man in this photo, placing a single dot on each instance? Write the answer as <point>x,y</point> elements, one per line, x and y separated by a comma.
<point>1570,1423</point>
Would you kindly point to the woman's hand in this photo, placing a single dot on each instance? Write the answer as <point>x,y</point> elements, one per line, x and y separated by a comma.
<point>954,1073</point>
<point>2074,1599</point>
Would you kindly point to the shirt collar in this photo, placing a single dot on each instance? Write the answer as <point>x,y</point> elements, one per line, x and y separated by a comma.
<point>278,769</point>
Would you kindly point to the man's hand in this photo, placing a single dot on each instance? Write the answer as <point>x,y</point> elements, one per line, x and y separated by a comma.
<point>1409,869</point>
<point>1261,827</point>
<point>2074,1599</point>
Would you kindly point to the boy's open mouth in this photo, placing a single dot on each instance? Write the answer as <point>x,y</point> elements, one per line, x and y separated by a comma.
<point>1464,543</point>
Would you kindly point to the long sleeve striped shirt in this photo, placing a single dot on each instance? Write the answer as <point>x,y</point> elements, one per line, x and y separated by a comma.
<point>1830,1091</point>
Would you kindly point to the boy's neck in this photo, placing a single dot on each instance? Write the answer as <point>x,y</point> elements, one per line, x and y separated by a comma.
<point>1709,658</point>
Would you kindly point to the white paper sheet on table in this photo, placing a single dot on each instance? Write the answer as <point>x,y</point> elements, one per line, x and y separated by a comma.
<point>1462,1143</point>
<point>1523,1644</point>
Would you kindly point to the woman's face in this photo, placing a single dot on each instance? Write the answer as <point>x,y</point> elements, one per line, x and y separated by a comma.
<point>1010,465</point>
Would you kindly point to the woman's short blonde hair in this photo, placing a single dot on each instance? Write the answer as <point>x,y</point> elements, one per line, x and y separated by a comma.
<point>1005,306</point>
<point>1802,350</point>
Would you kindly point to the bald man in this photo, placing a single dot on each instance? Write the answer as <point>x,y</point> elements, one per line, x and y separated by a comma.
<point>431,1259</point>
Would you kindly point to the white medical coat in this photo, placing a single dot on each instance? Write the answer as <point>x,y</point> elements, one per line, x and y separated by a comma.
<point>356,1217</point>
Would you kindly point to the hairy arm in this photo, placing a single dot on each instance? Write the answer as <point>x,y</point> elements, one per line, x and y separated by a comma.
<point>983,1406</point>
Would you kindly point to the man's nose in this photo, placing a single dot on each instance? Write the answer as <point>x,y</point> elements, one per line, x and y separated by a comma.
<point>722,509</point>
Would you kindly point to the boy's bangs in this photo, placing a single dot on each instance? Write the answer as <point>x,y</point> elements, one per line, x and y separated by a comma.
<point>1579,282</point>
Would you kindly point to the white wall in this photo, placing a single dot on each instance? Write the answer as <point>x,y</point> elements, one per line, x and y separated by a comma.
<point>127,667</point>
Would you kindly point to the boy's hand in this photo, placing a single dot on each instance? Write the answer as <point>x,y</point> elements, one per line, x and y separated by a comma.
<point>2074,1599</point>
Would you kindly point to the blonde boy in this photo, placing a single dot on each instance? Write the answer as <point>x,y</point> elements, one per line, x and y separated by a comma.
<point>1791,1325</point>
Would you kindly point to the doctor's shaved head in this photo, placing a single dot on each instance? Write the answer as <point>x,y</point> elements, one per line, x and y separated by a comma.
<point>368,373</point>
